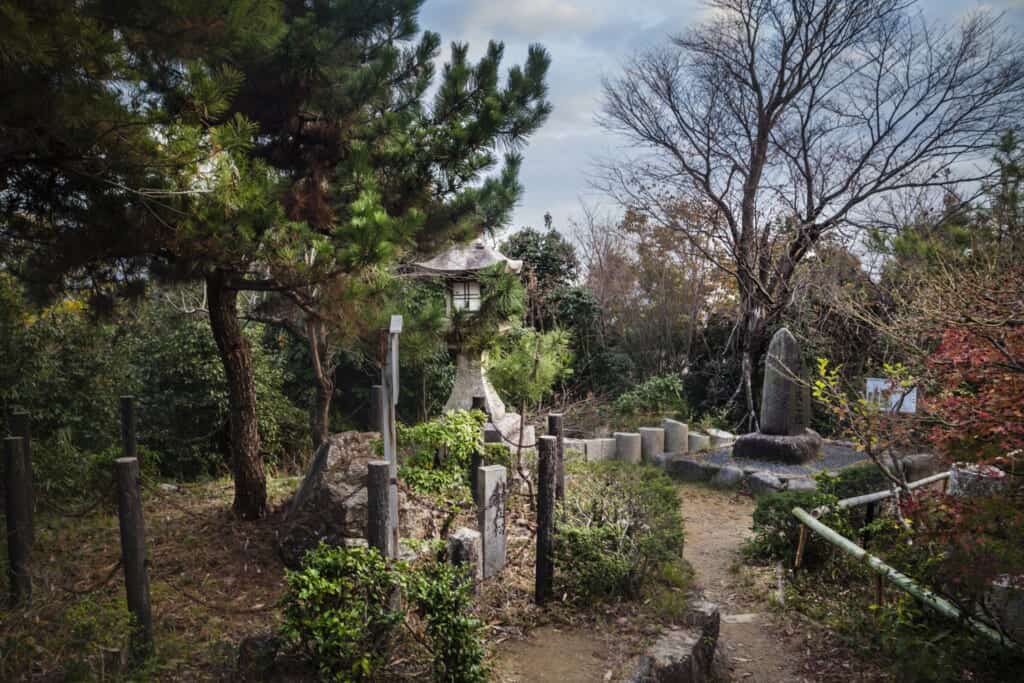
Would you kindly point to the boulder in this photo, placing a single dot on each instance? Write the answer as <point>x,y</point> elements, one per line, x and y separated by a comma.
<point>330,503</point>
<point>690,469</point>
<point>763,483</point>
<point>683,655</point>
<point>728,477</point>
<point>921,465</point>
<point>802,484</point>
<point>790,450</point>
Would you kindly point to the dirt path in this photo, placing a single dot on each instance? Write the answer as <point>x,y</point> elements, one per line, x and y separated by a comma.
<point>755,642</point>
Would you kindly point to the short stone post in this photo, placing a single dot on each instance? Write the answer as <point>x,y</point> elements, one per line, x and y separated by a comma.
<point>21,425</point>
<point>133,555</point>
<point>464,549</point>
<point>652,443</point>
<point>555,429</point>
<point>493,490</point>
<point>19,532</point>
<point>627,447</point>
<point>129,439</point>
<point>378,509</point>
<point>547,454</point>
<point>698,442</point>
<point>676,436</point>
<point>491,435</point>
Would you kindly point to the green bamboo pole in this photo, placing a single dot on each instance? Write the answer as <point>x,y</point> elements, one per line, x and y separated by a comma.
<point>902,581</point>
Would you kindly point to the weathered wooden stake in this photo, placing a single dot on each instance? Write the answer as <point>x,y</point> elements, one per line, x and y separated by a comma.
<point>129,440</point>
<point>547,454</point>
<point>869,517</point>
<point>133,555</point>
<point>19,532</point>
<point>555,429</point>
<point>376,408</point>
<point>21,425</point>
<point>800,547</point>
<point>378,509</point>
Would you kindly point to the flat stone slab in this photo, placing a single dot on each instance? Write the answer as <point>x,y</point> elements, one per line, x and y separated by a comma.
<point>834,456</point>
<point>687,468</point>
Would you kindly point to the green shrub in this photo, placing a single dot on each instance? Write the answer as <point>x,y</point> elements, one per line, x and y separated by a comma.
<point>342,611</point>
<point>619,525</point>
<point>777,531</point>
<point>656,396</point>
<point>856,480</point>
<point>338,610</point>
<point>435,455</point>
<point>441,595</point>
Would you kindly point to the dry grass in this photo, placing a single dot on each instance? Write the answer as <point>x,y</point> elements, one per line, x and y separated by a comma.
<point>213,581</point>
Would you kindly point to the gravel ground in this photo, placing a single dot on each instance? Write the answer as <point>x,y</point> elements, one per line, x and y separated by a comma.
<point>835,455</point>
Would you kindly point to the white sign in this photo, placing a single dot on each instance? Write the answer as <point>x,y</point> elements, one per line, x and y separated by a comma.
<point>882,393</point>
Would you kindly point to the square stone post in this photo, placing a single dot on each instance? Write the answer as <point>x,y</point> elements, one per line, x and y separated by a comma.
<point>492,492</point>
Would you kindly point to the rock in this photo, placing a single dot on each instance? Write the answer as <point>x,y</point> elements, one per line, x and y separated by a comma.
<point>785,396</point>
<point>676,436</point>
<point>728,477</point>
<point>627,447</point>
<point>464,548</point>
<point>790,450</point>
<point>690,469</point>
<point>1005,602</point>
<point>696,441</point>
<point>977,480</point>
<point>683,655</point>
<point>720,437</point>
<point>652,443</point>
<point>169,488</point>
<point>763,483</point>
<point>256,658</point>
<point>921,465</point>
<point>802,484</point>
<point>330,503</point>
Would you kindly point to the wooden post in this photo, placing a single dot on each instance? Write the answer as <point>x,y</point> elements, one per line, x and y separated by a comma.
<point>800,547</point>
<point>21,425</point>
<point>19,533</point>
<point>133,555</point>
<point>376,408</point>
<point>879,589</point>
<point>477,459</point>
<point>869,517</point>
<point>129,441</point>
<point>547,454</point>
<point>378,509</point>
<point>555,430</point>
<point>491,435</point>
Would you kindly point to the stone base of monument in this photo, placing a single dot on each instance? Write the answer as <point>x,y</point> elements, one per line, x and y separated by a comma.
<point>508,425</point>
<point>791,450</point>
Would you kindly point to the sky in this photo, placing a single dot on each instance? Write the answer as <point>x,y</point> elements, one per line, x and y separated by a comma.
<point>587,40</point>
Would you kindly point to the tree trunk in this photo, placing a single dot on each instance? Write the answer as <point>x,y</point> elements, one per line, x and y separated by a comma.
<point>320,411</point>
<point>244,435</point>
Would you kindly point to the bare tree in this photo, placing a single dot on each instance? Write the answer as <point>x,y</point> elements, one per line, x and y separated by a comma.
<point>788,120</point>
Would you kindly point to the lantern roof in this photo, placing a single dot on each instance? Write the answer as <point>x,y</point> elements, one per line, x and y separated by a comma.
<point>467,259</point>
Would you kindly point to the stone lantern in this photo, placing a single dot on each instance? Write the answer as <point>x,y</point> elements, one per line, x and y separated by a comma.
<point>459,267</point>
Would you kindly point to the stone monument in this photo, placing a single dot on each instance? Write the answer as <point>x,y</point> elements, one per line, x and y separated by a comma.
<point>784,434</point>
